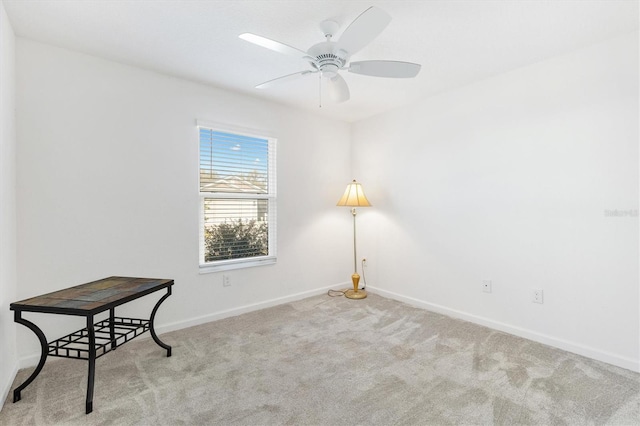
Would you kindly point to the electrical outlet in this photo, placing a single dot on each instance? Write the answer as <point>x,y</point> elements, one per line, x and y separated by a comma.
<point>537,295</point>
<point>364,262</point>
<point>486,286</point>
<point>226,281</point>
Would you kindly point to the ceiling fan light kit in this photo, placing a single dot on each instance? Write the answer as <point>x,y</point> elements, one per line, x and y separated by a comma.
<point>330,57</point>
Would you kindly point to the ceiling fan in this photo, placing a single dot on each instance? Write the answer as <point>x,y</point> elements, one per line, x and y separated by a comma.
<point>329,57</point>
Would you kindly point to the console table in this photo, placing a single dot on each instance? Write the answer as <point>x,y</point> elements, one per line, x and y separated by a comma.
<point>96,339</point>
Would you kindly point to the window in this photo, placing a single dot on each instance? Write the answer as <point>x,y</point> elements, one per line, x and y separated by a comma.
<point>237,199</point>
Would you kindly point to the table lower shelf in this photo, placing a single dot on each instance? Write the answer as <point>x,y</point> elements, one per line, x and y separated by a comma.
<point>107,338</point>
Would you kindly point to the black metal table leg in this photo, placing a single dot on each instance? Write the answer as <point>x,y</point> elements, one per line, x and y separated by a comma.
<point>152,320</point>
<point>92,363</point>
<point>43,354</point>
<point>112,327</point>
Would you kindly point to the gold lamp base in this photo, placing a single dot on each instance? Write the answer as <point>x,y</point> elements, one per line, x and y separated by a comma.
<point>355,293</point>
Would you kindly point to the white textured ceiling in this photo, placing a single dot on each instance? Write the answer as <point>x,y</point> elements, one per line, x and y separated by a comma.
<point>456,41</point>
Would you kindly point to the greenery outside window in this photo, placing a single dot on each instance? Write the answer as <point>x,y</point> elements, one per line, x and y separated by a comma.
<point>237,198</point>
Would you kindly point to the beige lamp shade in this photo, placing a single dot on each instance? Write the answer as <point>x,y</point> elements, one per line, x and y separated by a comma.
<point>354,196</point>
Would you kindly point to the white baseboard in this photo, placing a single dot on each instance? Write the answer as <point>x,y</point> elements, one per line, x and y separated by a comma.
<point>610,358</point>
<point>165,328</point>
<point>589,352</point>
<point>7,386</point>
<point>32,360</point>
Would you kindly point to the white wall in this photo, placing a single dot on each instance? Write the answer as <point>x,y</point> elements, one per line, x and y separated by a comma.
<point>108,185</point>
<point>8,353</point>
<point>508,180</point>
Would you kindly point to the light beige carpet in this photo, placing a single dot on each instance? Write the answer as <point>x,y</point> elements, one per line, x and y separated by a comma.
<point>333,361</point>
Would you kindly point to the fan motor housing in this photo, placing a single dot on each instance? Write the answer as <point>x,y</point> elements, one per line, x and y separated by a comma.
<point>327,58</point>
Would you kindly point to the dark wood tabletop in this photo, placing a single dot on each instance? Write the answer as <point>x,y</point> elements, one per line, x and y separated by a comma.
<point>92,298</point>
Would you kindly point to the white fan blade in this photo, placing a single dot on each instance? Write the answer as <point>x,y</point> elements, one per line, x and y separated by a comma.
<point>338,89</point>
<point>364,29</point>
<point>282,79</point>
<point>391,69</point>
<point>275,45</point>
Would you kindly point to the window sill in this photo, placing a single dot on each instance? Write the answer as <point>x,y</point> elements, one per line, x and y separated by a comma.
<point>227,265</point>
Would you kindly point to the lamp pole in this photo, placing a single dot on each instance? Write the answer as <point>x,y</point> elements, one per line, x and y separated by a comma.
<point>355,278</point>
<point>355,257</point>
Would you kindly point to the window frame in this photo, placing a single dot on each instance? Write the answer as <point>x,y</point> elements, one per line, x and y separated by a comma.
<point>270,196</point>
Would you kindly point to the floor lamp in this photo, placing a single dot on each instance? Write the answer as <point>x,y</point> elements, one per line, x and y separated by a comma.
<point>354,197</point>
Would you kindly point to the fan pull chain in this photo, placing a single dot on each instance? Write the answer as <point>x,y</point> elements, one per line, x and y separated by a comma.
<point>319,90</point>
